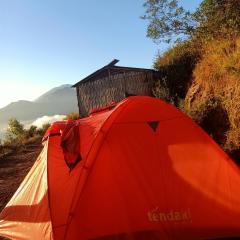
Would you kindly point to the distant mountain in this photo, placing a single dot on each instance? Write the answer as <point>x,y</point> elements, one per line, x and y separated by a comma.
<point>60,100</point>
<point>63,93</point>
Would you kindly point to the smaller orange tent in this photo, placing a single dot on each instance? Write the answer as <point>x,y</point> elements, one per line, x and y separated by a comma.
<point>138,170</point>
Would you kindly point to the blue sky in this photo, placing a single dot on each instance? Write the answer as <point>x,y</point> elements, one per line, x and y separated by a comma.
<point>46,43</point>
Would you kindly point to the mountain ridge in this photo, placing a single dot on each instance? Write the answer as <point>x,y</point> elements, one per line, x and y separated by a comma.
<point>59,100</point>
<point>52,92</point>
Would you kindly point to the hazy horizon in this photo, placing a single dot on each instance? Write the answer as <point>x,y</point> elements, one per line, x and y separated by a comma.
<point>29,98</point>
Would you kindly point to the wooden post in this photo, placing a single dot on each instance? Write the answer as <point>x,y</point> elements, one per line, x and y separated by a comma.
<point>79,111</point>
<point>124,83</point>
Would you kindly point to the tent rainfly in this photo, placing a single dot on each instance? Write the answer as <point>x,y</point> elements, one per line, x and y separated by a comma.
<point>139,169</point>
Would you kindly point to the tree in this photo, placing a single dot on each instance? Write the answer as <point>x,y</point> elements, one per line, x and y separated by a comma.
<point>31,131</point>
<point>15,130</point>
<point>170,22</point>
<point>217,18</point>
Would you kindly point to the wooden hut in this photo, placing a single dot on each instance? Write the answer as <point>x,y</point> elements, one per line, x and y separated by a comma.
<point>112,83</point>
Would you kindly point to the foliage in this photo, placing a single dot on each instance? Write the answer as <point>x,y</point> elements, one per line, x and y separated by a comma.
<point>31,131</point>
<point>72,116</point>
<point>167,19</point>
<point>17,135</point>
<point>160,90</point>
<point>213,19</point>
<point>176,66</point>
<point>15,130</point>
<point>43,129</point>
<point>200,75</point>
<point>217,19</point>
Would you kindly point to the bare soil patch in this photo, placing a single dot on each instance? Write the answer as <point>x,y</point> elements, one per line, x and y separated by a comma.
<point>14,165</point>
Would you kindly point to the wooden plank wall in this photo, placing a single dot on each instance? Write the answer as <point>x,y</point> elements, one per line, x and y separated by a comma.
<point>112,88</point>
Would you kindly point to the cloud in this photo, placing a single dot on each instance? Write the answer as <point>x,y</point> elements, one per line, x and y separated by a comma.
<point>47,119</point>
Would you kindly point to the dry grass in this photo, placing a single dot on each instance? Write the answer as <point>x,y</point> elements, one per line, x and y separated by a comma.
<point>217,85</point>
<point>14,166</point>
<point>176,66</point>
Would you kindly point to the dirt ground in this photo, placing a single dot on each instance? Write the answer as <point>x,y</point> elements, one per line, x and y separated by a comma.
<point>14,166</point>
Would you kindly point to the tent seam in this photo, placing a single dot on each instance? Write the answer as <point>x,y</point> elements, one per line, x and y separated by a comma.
<point>121,108</point>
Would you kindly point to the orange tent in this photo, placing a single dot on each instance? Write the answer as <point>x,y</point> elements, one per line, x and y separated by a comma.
<point>137,170</point>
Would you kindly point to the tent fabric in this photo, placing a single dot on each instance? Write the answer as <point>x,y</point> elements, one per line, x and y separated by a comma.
<point>147,171</point>
<point>70,143</point>
<point>27,215</point>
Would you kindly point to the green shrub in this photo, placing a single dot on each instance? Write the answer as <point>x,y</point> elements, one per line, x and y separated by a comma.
<point>31,131</point>
<point>15,131</point>
<point>17,136</point>
<point>43,129</point>
<point>217,19</point>
<point>160,90</point>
